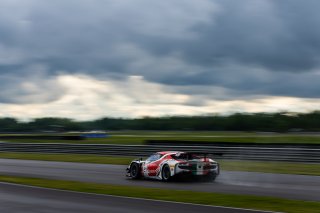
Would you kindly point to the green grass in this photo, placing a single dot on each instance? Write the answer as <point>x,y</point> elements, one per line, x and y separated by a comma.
<point>78,158</point>
<point>231,165</point>
<point>233,137</point>
<point>138,137</point>
<point>229,200</point>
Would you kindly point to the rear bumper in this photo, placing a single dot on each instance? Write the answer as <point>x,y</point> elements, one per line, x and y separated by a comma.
<point>198,171</point>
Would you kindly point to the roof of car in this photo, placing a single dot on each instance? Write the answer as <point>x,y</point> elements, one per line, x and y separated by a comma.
<point>167,152</point>
<point>175,152</point>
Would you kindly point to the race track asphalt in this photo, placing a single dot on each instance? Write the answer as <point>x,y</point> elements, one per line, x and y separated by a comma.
<point>300,187</point>
<point>24,199</point>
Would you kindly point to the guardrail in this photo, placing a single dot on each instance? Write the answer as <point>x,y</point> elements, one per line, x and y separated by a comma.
<point>220,152</point>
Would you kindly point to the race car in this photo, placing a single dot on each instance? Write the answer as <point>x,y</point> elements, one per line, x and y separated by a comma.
<point>167,164</point>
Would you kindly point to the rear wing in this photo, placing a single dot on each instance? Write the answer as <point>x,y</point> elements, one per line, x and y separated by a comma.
<point>192,155</point>
<point>196,154</point>
<point>204,153</point>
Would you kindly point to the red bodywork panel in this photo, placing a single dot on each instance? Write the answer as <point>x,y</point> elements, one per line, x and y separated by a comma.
<point>154,167</point>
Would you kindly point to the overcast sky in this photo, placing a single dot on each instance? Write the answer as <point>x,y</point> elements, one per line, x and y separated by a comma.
<point>87,59</point>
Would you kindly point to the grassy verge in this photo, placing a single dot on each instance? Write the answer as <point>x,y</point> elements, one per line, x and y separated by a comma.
<point>231,165</point>
<point>78,158</point>
<point>138,137</point>
<point>240,201</point>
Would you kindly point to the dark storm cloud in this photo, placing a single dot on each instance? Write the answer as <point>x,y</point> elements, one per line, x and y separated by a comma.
<point>31,85</point>
<point>246,47</point>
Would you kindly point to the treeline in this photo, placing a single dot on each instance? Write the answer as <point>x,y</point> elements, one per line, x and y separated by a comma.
<point>279,122</point>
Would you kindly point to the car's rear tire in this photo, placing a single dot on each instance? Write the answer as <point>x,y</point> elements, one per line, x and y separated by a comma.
<point>135,171</point>
<point>211,176</point>
<point>166,174</point>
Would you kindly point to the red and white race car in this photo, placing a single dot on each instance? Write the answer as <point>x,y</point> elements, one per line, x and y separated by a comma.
<point>164,165</point>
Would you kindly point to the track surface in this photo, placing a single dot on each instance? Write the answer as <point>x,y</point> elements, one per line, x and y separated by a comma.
<point>17,198</point>
<point>277,185</point>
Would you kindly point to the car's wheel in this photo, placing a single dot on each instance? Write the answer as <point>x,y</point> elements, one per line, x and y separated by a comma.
<point>165,174</point>
<point>135,171</point>
<point>211,176</point>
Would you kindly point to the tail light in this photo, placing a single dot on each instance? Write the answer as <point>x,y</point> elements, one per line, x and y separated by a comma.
<point>210,166</point>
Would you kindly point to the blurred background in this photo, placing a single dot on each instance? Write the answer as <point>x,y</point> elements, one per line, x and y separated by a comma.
<point>88,86</point>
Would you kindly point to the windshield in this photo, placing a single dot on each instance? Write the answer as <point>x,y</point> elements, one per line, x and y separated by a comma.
<point>154,157</point>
